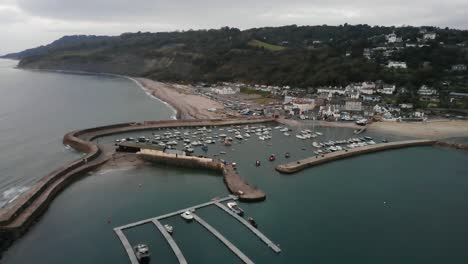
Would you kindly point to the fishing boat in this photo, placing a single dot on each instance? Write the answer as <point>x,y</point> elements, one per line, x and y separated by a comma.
<point>252,222</point>
<point>272,157</point>
<point>235,208</point>
<point>187,215</point>
<point>142,253</point>
<point>168,228</point>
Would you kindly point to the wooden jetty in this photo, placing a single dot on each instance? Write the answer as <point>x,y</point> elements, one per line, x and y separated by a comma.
<point>260,235</point>
<point>171,242</point>
<point>226,242</point>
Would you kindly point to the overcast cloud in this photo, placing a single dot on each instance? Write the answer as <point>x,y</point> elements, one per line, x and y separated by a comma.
<point>29,23</point>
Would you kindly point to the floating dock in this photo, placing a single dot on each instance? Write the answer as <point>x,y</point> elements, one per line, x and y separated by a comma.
<point>172,243</point>
<point>299,165</point>
<point>127,246</point>
<point>260,235</point>
<point>226,242</point>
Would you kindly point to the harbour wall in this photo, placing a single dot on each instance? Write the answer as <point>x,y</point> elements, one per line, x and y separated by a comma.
<point>233,181</point>
<point>17,216</point>
<point>299,165</point>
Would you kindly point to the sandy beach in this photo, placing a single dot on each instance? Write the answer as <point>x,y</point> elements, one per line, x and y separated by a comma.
<point>436,129</point>
<point>182,98</point>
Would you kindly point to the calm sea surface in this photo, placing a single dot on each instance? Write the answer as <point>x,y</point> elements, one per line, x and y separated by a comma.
<point>401,206</point>
<point>37,109</point>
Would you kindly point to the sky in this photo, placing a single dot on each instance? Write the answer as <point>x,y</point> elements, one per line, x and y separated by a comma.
<point>30,23</point>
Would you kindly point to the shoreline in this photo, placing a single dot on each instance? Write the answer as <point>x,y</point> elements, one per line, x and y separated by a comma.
<point>188,104</point>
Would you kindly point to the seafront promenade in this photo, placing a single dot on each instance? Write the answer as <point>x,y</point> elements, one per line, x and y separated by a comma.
<point>315,160</point>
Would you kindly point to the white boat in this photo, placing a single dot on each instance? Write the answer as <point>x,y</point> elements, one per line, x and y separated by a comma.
<point>261,138</point>
<point>235,208</point>
<point>142,253</point>
<point>300,136</point>
<point>286,134</point>
<point>318,133</point>
<point>284,129</point>
<point>239,137</point>
<point>187,215</point>
<point>247,135</point>
<point>315,144</point>
<point>168,228</point>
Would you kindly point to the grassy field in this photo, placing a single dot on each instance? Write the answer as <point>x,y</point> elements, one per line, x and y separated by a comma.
<point>271,47</point>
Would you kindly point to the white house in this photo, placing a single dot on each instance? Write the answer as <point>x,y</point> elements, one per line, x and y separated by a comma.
<point>332,90</point>
<point>353,105</point>
<point>387,89</point>
<point>459,67</point>
<point>430,36</point>
<point>225,90</point>
<point>425,90</point>
<point>393,38</point>
<point>397,64</point>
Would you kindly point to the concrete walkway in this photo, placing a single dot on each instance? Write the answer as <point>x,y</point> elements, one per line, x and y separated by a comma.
<point>299,165</point>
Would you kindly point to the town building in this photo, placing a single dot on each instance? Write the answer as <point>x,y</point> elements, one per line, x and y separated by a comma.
<point>430,36</point>
<point>353,105</point>
<point>397,64</point>
<point>225,90</point>
<point>425,90</point>
<point>387,89</point>
<point>459,67</point>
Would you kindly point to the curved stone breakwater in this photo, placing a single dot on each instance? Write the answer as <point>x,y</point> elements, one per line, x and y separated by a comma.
<point>16,217</point>
<point>299,165</point>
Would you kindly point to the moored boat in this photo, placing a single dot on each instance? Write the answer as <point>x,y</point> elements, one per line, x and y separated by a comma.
<point>187,215</point>
<point>169,228</point>
<point>142,253</point>
<point>272,157</point>
<point>235,208</point>
<point>252,222</point>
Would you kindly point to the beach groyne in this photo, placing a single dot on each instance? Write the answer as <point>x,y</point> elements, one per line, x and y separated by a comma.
<point>234,182</point>
<point>315,160</point>
<point>17,216</point>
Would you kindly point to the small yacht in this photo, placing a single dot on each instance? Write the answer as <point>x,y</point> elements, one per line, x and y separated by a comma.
<point>235,208</point>
<point>286,134</point>
<point>168,228</point>
<point>142,253</point>
<point>315,144</point>
<point>239,137</point>
<point>252,222</point>
<point>300,136</point>
<point>319,134</point>
<point>187,215</point>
